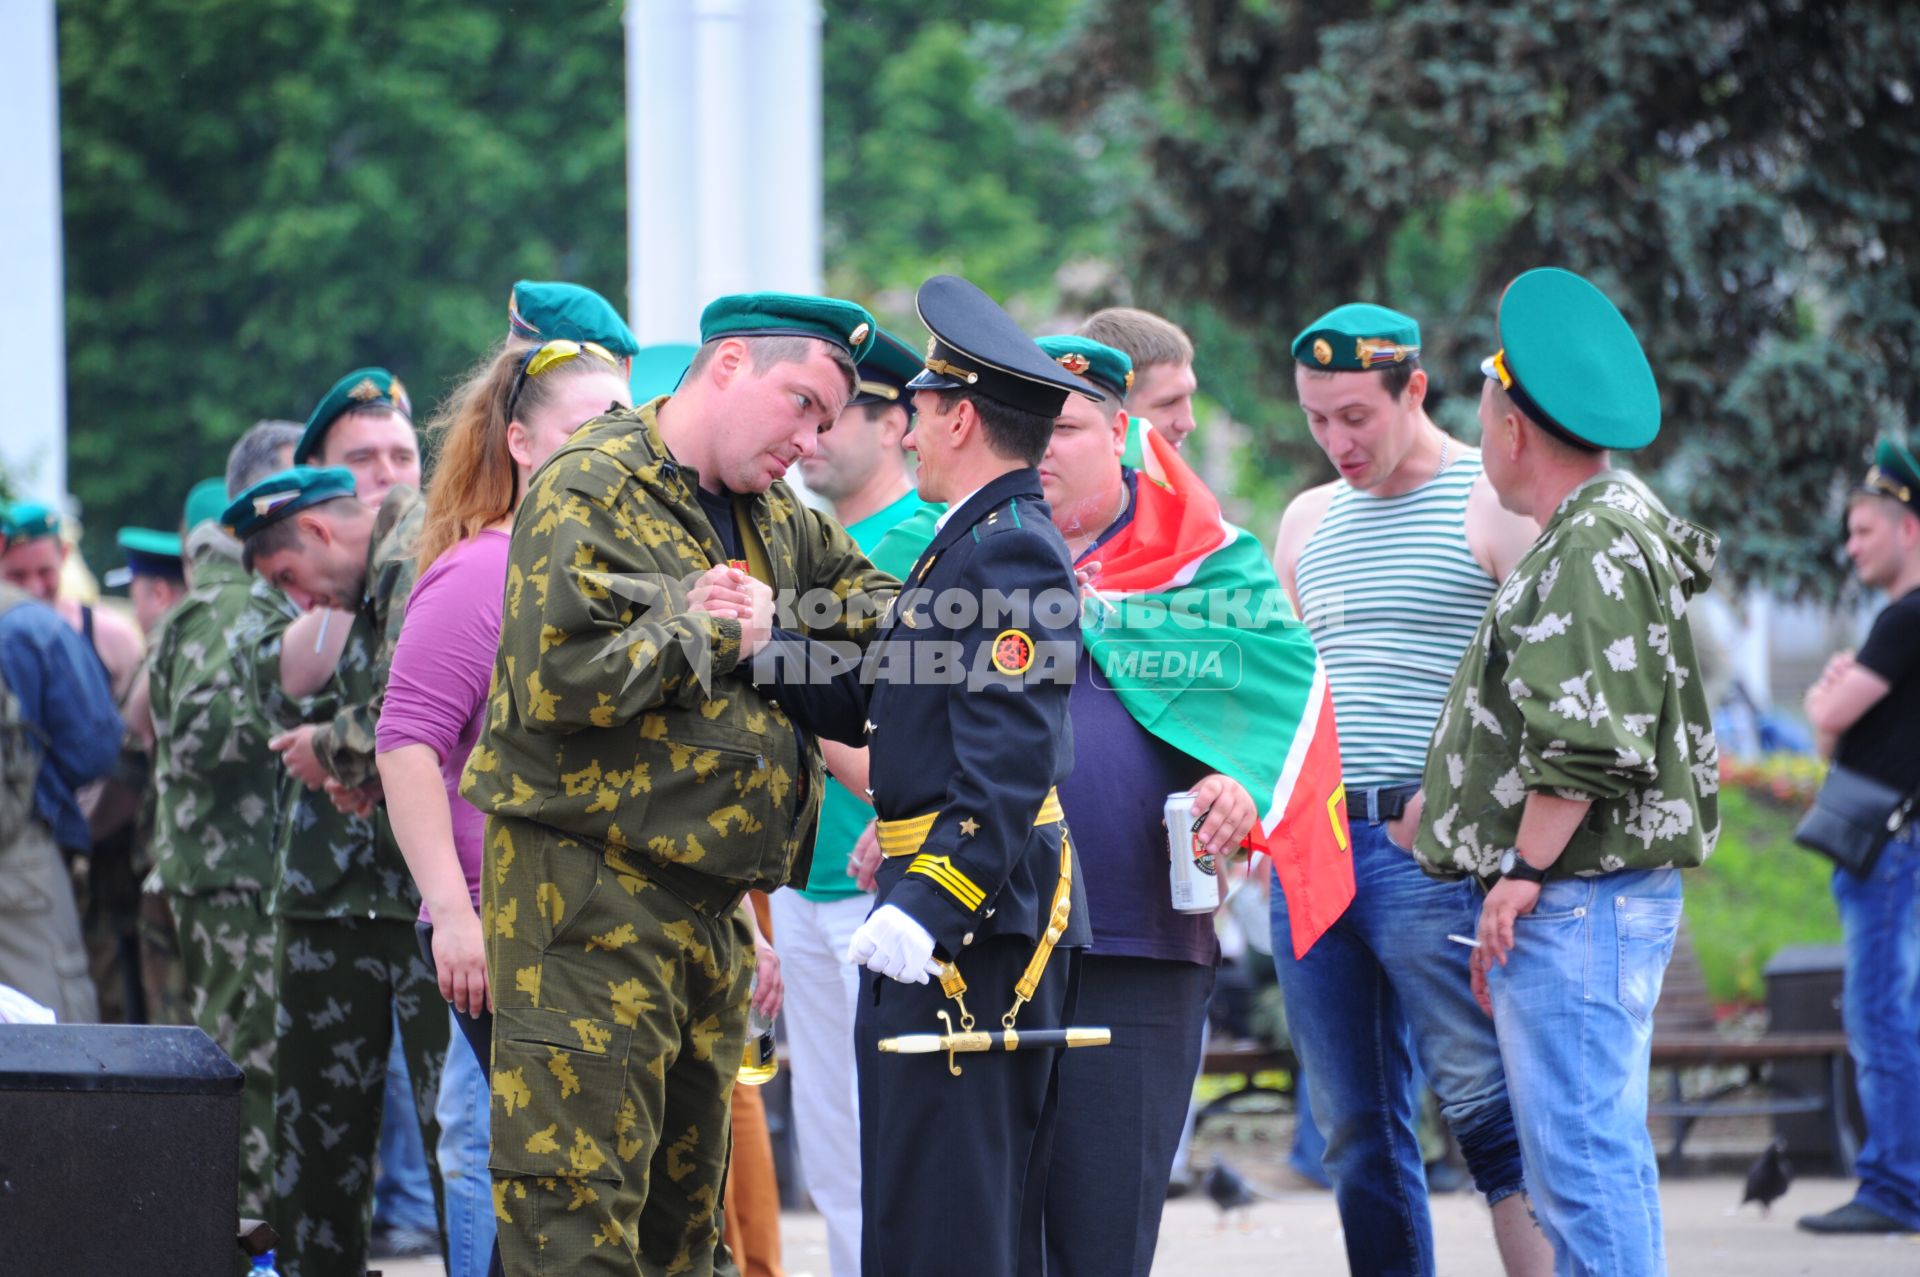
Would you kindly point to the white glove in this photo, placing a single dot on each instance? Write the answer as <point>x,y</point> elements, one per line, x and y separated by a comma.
<point>893,944</point>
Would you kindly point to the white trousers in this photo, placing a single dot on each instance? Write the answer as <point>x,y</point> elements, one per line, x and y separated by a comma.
<point>822,988</point>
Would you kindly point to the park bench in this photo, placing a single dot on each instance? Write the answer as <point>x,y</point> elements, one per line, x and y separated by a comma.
<point>1686,1040</point>
<point>1245,1061</point>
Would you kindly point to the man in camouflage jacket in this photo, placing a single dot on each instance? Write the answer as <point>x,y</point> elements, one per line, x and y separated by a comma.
<point>344,905</point>
<point>637,785</point>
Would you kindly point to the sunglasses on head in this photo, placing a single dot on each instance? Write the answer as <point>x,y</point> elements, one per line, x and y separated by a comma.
<point>551,355</point>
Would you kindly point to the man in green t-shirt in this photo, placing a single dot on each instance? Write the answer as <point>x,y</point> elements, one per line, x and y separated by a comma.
<point>861,468</point>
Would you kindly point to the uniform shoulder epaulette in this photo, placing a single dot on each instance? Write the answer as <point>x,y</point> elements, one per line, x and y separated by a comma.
<point>1003,518</point>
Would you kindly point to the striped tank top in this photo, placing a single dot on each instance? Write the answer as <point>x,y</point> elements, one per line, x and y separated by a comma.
<point>1392,596</point>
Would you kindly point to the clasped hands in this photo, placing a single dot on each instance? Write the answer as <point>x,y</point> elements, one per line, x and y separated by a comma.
<point>724,590</point>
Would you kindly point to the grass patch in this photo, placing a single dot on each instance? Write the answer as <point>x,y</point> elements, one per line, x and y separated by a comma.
<point>1757,894</point>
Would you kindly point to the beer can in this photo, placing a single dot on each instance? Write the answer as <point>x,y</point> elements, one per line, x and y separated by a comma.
<point>1196,885</point>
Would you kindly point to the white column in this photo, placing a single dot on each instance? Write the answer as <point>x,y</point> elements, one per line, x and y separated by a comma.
<point>33,445</point>
<point>723,156</point>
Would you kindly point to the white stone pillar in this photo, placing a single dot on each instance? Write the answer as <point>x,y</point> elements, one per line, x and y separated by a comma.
<point>723,156</point>
<point>33,445</point>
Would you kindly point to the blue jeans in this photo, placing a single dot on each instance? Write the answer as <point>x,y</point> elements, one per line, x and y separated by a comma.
<point>1573,1009</point>
<point>1383,983</point>
<point>403,1193</point>
<point>1881,918</point>
<point>463,1114</point>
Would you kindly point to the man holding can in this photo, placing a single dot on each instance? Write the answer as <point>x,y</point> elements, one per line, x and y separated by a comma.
<point>1154,543</point>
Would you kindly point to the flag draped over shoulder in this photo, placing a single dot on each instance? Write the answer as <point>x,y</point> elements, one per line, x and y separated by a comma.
<point>1187,622</point>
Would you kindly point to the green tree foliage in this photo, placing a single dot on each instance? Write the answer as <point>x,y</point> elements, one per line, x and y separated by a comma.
<point>927,169</point>
<point>1744,178</point>
<point>263,194</point>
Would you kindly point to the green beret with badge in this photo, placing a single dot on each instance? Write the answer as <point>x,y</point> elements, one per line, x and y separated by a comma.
<point>548,310</point>
<point>1357,337</point>
<point>205,500</point>
<point>885,372</point>
<point>29,521</point>
<point>827,319</point>
<point>1569,360</point>
<point>279,495</point>
<point>1894,473</point>
<point>976,346</point>
<point>149,553</point>
<point>1099,363</point>
<point>361,388</point>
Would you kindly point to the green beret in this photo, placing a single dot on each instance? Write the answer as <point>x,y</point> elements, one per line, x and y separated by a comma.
<point>843,323</point>
<point>1357,337</point>
<point>279,495</point>
<point>540,310</point>
<point>1569,361</point>
<point>1894,473</point>
<point>886,370</point>
<point>29,521</point>
<point>149,553</point>
<point>657,369</point>
<point>358,389</point>
<point>1099,363</point>
<point>205,500</point>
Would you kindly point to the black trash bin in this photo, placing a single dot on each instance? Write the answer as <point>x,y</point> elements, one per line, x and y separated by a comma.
<point>1803,996</point>
<point>119,1150</point>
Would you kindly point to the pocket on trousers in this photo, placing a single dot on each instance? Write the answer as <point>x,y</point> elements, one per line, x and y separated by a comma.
<point>565,899</point>
<point>559,1082</point>
<point>1646,930</point>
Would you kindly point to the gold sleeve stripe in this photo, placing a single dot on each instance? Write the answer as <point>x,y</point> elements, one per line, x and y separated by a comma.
<point>950,880</point>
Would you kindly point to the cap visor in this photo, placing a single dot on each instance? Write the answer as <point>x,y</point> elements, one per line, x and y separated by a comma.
<point>116,578</point>
<point>1488,370</point>
<point>931,380</point>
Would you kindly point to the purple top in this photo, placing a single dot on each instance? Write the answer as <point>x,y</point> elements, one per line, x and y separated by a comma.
<point>1122,774</point>
<point>437,688</point>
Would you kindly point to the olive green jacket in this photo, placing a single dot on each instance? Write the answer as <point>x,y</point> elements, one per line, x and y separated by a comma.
<point>214,782</point>
<point>345,746</point>
<point>616,714</point>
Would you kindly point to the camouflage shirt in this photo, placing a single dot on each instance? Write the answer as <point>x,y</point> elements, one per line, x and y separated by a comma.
<point>618,715</point>
<point>345,746</point>
<point>326,864</point>
<point>213,784</point>
<point>1582,682</point>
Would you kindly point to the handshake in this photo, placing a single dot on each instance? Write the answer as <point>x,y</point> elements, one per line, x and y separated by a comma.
<point>725,590</point>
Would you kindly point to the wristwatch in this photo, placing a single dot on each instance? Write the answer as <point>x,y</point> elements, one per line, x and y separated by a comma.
<point>1513,866</point>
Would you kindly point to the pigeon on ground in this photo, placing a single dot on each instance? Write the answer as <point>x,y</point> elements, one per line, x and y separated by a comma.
<point>1770,1177</point>
<point>1228,1191</point>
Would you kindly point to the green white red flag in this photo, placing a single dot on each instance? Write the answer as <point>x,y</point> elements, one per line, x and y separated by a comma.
<point>1187,622</point>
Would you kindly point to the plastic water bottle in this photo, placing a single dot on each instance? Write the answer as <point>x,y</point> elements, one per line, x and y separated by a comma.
<point>263,1266</point>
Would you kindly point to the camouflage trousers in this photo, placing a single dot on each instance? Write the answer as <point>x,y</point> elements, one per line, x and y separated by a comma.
<point>341,982</point>
<point>169,1001</point>
<point>226,955</point>
<point>619,1023</point>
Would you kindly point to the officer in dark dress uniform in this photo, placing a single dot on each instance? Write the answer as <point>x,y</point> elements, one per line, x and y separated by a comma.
<point>963,700</point>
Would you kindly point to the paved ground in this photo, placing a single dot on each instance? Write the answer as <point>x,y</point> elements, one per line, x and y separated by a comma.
<point>1298,1233</point>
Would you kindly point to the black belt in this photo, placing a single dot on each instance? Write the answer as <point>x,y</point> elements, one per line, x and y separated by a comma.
<point>1381,803</point>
